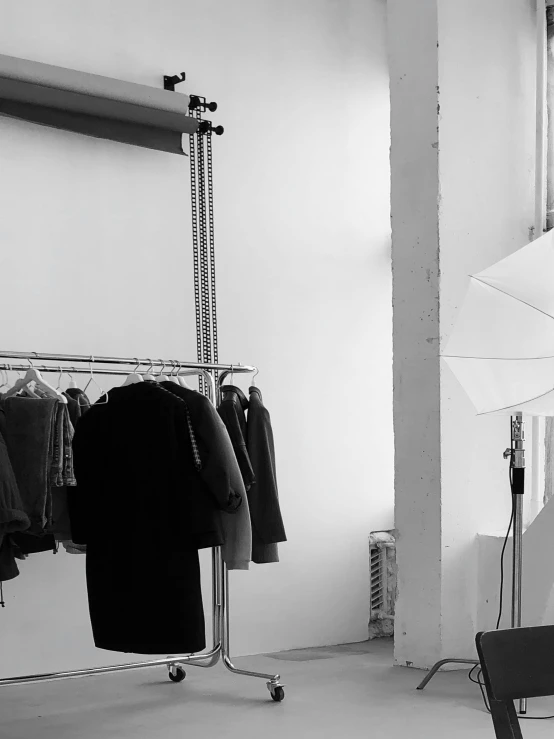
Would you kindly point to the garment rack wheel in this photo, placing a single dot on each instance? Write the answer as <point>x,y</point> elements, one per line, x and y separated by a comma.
<point>277,692</point>
<point>176,673</point>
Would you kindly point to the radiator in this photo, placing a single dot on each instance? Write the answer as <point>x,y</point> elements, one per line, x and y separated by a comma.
<point>382,583</point>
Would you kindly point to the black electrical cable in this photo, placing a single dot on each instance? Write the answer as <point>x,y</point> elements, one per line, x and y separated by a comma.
<point>479,674</point>
<point>502,555</point>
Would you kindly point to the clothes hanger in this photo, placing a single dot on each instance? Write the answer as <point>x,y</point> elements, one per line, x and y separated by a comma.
<point>71,380</point>
<point>161,377</point>
<point>182,381</point>
<point>31,375</point>
<point>28,390</point>
<point>172,375</point>
<point>5,379</point>
<point>102,393</point>
<point>32,391</point>
<point>134,377</point>
<point>58,387</point>
<point>149,376</point>
<point>253,381</point>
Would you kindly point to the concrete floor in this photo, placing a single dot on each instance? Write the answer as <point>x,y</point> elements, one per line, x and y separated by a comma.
<point>347,692</point>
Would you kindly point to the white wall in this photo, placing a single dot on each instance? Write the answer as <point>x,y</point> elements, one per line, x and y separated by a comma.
<point>95,258</point>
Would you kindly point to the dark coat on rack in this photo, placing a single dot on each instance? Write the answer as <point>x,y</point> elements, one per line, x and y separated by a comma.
<point>253,438</point>
<point>143,510</point>
<point>232,411</point>
<point>12,514</point>
<point>263,497</point>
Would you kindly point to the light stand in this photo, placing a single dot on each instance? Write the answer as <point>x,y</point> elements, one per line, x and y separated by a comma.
<point>516,455</point>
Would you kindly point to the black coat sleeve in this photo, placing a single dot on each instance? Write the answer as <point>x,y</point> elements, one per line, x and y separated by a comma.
<point>263,498</point>
<point>229,417</point>
<point>219,460</point>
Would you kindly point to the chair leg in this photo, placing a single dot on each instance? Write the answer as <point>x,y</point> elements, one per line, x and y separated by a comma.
<point>504,719</point>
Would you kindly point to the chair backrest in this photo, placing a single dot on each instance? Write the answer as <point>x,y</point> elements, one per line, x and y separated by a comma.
<point>516,663</point>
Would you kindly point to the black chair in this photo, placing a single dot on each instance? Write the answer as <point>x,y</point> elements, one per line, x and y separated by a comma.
<point>516,663</point>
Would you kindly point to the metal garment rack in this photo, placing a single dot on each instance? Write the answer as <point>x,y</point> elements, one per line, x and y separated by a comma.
<point>220,574</point>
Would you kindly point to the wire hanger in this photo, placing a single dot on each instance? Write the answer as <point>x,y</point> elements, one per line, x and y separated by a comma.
<point>160,377</point>
<point>134,377</point>
<point>102,393</point>
<point>33,375</point>
<point>257,372</point>
<point>173,374</point>
<point>58,386</point>
<point>149,376</point>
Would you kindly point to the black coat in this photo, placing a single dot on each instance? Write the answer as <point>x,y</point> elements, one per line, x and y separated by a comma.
<point>263,497</point>
<point>143,510</point>
<point>232,411</point>
<point>12,514</point>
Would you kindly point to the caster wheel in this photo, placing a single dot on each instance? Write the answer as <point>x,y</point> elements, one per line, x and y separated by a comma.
<point>278,694</point>
<point>178,676</point>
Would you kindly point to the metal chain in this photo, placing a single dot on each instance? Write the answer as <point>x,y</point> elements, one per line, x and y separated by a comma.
<point>195,254</point>
<point>212,248</point>
<point>204,249</point>
<point>204,256</point>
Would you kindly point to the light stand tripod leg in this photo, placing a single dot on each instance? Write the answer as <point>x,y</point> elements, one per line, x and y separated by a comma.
<point>436,667</point>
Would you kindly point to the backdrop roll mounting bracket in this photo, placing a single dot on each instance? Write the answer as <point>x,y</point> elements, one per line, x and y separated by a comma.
<point>198,101</point>
<point>206,127</point>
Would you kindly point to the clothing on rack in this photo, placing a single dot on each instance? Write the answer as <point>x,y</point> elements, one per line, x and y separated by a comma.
<point>77,405</point>
<point>25,544</point>
<point>253,437</point>
<point>232,410</point>
<point>220,470</point>
<point>61,468</point>
<point>72,548</point>
<point>36,458</point>
<point>8,565</point>
<point>30,431</point>
<point>80,397</point>
<point>146,598</point>
<point>12,514</point>
<point>144,510</point>
<point>263,496</point>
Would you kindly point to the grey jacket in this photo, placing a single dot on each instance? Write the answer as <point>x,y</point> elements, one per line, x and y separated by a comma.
<point>252,436</point>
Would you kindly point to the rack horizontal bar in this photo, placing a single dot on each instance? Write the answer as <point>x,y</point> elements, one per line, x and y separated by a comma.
<point>133,361</point>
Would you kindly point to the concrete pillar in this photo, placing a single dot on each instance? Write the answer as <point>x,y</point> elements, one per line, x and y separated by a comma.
<point>462,81</point>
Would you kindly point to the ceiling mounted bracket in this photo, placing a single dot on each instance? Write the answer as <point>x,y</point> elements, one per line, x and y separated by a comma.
<point>170,82</point>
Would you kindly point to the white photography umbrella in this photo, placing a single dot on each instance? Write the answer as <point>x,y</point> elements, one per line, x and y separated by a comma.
<point>502,346</point>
